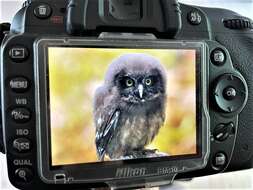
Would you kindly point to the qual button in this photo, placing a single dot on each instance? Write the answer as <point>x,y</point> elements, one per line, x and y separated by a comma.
<point>20,115</point>
<point>24,175</point>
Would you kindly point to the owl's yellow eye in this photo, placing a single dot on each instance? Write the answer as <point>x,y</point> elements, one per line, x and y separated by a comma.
<point>148,82</point>
<point>129,82</point>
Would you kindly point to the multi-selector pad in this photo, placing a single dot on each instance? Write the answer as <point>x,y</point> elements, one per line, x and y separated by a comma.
<point>230,93</point>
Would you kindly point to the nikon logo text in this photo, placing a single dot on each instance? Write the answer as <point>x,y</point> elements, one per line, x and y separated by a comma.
<point>130,172</point>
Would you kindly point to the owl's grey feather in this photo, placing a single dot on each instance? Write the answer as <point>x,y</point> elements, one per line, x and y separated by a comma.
<point>107,120</point>
<point>128,118</point>
<point>104,136</point>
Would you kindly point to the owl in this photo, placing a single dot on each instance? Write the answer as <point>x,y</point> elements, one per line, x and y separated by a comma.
<point>129,108</point>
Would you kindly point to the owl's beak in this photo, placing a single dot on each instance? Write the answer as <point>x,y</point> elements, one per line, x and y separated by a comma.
<point>140,89</point>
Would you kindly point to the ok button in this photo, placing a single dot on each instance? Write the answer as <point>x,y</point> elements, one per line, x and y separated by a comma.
<point>229,93</point>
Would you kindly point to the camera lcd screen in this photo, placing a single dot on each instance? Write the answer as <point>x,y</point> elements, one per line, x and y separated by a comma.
<point>112,104</point>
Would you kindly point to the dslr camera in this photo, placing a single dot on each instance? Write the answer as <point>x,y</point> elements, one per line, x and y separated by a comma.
<point>124,93</point>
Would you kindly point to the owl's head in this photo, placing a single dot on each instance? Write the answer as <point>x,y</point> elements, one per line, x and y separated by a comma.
<point>138,78</point>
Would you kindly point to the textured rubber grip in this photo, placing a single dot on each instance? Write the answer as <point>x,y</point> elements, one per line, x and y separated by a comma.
<point>240,49</point>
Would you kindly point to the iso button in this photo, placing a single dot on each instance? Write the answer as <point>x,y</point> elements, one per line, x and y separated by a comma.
<point>19,84</point>
<point>20,115</point>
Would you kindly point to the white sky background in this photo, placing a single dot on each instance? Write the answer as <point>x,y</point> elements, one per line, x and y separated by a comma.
<point>244,7</point>
<point>235,180</point>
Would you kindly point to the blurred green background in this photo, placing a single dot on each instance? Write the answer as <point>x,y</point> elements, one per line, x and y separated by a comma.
<point>75,74</point>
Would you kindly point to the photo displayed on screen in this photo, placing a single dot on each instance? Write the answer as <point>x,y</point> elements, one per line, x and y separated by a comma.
<point>109,104</point>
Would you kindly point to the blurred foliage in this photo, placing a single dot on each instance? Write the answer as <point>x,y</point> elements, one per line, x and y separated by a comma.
<point>75,74</point>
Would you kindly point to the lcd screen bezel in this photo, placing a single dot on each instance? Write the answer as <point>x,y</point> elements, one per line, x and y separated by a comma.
<point>77,171</point>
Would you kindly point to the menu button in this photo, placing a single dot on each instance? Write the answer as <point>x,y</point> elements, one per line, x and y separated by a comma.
<point>19,84</point>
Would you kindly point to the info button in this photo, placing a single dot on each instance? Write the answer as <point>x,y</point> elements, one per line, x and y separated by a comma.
<point>19,84</point>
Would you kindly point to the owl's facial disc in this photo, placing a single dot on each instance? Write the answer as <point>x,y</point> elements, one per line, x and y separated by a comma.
<point>140,88</point>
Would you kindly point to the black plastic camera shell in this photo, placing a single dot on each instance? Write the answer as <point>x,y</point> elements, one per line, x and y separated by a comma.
<point>235,44</point>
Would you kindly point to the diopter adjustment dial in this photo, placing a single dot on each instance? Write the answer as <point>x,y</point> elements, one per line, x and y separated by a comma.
<point>238,24</point>
<point>230,93</point>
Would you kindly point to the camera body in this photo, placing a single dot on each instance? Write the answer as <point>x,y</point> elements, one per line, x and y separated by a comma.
<point>228,38</point>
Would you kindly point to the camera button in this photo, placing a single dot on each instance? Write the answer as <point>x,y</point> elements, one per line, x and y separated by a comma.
<point>218,57</point>
<point>22,145</point>
<point>19,84</point>
<point>219,161</point>
<point>24,175</point>
<point>43,11</point>
<point>20,115</point>
<point>18,54</point>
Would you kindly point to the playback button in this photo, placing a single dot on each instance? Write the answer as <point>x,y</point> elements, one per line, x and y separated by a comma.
<point>18,54</point>
<point>20,115</point>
